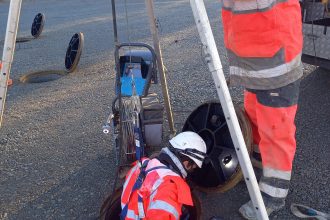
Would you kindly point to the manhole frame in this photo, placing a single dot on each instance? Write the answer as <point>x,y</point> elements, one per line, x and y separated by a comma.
<point>26,77</point>
<point>23,39</point>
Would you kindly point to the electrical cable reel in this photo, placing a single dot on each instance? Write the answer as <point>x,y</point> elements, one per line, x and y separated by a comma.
<point>133,106</point>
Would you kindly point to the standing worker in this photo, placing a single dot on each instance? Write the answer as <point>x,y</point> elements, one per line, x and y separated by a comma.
<point>264,41</point>
<point>156,189</point>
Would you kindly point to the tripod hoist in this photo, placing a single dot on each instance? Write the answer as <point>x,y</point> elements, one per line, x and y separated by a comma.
<point>136,70</point>
<point>132,100</point>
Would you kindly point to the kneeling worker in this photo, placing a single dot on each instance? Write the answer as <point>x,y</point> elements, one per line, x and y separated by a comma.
<point>156,189</point>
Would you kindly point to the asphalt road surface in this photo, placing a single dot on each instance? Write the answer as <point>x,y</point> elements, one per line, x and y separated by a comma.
<point>55,162</point>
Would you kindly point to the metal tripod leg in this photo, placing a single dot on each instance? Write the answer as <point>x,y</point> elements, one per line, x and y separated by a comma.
<point>213,60</point>
<point>160,64</point>
<point>8,50</point>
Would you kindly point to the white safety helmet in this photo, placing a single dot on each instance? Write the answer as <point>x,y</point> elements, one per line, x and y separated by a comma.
<point>190,144</point>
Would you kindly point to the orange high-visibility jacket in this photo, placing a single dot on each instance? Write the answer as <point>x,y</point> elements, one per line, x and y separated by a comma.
<point>264,42</point>
<point>162,194</point>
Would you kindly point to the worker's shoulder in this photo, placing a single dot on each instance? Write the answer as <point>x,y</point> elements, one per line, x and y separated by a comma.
<point>175,182</point>
<point>175,185</point>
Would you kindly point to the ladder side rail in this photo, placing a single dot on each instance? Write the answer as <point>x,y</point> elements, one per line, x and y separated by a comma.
<point>213,60</point>
<point>8,50</point>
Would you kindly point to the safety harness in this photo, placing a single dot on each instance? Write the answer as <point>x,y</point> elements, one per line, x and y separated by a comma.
<point>143,173</point>
<point>137,185</point>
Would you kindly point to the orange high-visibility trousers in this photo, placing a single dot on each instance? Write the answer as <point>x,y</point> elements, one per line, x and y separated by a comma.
<point>272,114</point>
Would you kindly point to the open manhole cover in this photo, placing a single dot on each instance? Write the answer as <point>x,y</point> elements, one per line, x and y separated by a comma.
<point>37,25</point>
<point>220,171</point>
<point>73,52</point>
<point>42,76</point>
<point>72,58</point>
<point>36,28</point>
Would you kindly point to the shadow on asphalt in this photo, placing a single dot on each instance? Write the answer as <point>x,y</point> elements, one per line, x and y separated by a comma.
<point>83,190</point>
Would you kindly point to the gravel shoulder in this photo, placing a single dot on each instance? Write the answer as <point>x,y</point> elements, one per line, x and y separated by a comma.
<point>55,162</point>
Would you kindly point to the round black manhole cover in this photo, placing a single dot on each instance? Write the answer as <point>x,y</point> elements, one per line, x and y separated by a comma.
<point>221,170</point>
<point>42,76</point>
<point>37,25</point>
<point>36,28</point>
<point>73,52</point>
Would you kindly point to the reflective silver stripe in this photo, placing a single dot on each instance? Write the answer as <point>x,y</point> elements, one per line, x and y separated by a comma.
<point>267,73</point>
<point>153,194</point>
<point>141,210</point>
<point>176,161</point>
<point>154,190</point>
<point>267,83</point>
<point>273,191</point>
<point>256,63</point>
<point>126,182</point>
<point>131,214</point>
<point>249,5</point>
<point>129,177</point>
<point>164,206</point>
<point>269,172</point>
<point>157,184</point>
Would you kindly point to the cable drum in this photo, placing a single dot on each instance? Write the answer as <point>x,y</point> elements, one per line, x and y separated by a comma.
<point>128,128</point>
<point>128,116</point>
<point>220,171</point>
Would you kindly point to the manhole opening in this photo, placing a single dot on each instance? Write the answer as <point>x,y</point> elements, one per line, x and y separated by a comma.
<point>41,77</point>
<point>23,39</point>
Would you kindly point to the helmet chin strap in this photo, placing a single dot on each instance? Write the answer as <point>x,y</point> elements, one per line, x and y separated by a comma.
<point>176,161</point>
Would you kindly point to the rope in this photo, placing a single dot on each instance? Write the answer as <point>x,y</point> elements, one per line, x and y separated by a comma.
<point>128,32</point>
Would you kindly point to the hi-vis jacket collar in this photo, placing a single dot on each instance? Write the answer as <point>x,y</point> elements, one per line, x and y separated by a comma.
<point>176,161</point>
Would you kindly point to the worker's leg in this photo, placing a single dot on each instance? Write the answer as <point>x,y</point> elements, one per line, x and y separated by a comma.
<point>275,113</point>
<point>250,102</point>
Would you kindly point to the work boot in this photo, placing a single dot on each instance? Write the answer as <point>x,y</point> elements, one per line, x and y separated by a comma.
<point>272,205</point>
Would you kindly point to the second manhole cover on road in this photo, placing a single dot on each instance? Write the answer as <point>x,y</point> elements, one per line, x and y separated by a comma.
<point>72,58</point>
<point>37,25</point>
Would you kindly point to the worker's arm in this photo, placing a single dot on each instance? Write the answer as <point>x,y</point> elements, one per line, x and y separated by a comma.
<point>164,203</point>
